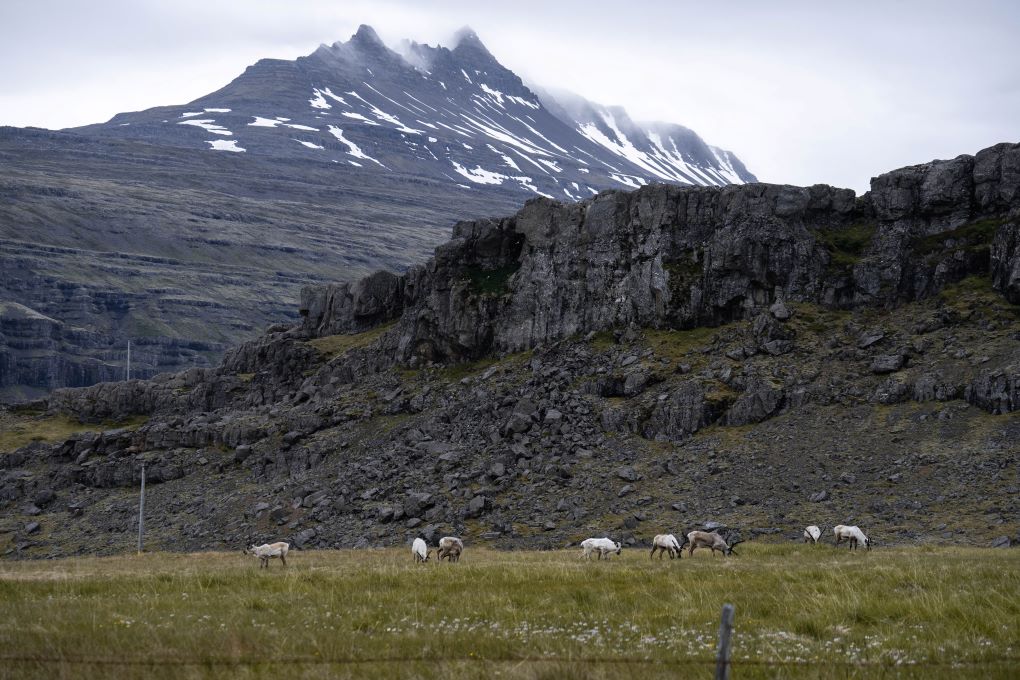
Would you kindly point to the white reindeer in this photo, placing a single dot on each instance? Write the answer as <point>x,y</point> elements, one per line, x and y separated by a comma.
<point>268,551</point>
<point>666,543</point>
<point>812,534</point>
<point>852,535</point>
<point>602,546</point>
<point>420,550</point>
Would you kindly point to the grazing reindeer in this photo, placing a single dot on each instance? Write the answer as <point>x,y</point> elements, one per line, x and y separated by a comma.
<point>666,543</point>
<point>711,540</point>
<point>852,535</point>
<point>420,550</point>
<point>450,552</point>
<point>603,546</point>
<point>812,534</point>
<point>450,547</point>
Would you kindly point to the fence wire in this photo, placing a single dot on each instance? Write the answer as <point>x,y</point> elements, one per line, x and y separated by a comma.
<point>612,660</point>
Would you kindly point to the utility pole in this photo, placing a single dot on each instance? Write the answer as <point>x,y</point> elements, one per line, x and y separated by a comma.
<point>129,364</point>
<point>141,512</point>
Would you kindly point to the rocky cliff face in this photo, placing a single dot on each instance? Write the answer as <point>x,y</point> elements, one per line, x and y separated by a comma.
<point>672,257</point>
<point>763,357</point>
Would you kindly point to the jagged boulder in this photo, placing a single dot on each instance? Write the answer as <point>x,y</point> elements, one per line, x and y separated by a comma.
<point>1005,261</point>
<point>758,402</point>
<point>996,390</point>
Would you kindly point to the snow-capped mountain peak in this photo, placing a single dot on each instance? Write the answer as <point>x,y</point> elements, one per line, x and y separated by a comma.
<point>455,115</point>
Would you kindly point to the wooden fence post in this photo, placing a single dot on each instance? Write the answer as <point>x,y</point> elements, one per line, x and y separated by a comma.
<point>722,657</point>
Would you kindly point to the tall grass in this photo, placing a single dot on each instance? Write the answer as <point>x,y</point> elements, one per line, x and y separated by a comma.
<point>815,611</point>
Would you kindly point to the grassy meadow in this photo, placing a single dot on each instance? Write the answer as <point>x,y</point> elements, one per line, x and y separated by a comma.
<point>801,611</point>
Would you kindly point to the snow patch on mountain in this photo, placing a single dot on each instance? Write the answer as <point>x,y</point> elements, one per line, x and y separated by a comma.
<point>224,145</point>
<point>353,149</point>
<point>207,124</point>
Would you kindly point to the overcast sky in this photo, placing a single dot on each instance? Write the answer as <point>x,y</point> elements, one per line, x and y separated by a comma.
<point>802,92</point>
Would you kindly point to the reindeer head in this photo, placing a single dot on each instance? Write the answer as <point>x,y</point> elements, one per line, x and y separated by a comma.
<point>250,550</point>
<point>619,548</point>
<point>730,548</point>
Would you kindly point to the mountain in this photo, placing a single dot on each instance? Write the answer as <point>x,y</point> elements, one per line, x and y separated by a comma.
<point>759,357</point>
<point>188,229</point>
<point>454,114</point>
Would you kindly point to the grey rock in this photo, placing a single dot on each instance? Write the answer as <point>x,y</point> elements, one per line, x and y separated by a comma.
<point>820,496</point>
<point>628,473</point>
<point>780,310</point>
<point>304,538</point>
<point>44,497</point>
<point>32,528</point>
<point>1001,542</point>
<point>869,338</point>
<point>314,498</point>
<point>477,506</point>
<point>758,402</point>
<point>887,363</point>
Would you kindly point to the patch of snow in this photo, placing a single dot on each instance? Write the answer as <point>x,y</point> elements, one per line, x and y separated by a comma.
<point>467,146</point>
<point>353,148</point>
<point>310,145</point>
<point>432,108</point>
<point>191,114</point>
<point>217,110</point>
<point>584,170</point>
<point>495,95</point>
<point>549,164</point>
<point>432,140</point>
<point>466,76</point>
<point>335,97</point>
<point>318,101</point>
<point>207,124</point>
<point>527,184</point>
<point>549,141</point>
<point>443,84</point>
<point>428,125</point>
<point>523,102</point>
<point>355,164</point>
<point>358,116</point>
<point>501,134</point>
<point>264,122</point>
<point>224,145</point>
<point>626,181</point>
<point>506,159</point>
<point>295,126</point>
<point>479,175</point>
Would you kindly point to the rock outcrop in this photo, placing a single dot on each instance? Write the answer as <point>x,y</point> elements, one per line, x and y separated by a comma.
<point>672,257</point>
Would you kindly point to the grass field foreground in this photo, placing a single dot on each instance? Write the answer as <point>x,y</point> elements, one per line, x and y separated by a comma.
<point>801,611</point>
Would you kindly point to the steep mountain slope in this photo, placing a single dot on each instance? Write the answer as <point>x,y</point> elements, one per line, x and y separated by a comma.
<point>454,113</point>
<point>760,356</point>
<point>187,229</point>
